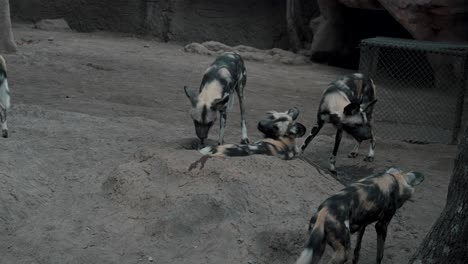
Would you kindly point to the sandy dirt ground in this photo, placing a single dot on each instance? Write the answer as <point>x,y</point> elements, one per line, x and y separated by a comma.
<point>95,170</point>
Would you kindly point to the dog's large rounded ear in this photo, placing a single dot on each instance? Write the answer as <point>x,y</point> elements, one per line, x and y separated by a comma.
<point>351,109</point>
<point>414,178</point>
<point>298,130</point>
<point>2,64</point>
<point>293,113</point>
<point>191,95</point>
<point>367,106</point>
<point>393,170</point>
<point>220,103</point>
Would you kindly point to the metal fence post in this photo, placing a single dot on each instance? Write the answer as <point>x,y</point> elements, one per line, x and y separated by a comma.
<point>460,103</point>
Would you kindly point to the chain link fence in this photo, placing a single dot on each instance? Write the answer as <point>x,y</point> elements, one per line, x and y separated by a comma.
<point>421,88</point>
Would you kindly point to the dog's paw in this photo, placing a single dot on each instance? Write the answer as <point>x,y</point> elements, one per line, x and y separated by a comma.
<point>369,159</point>
<point>352,155</point>
<point>5,133</point>
<point>245,141</point>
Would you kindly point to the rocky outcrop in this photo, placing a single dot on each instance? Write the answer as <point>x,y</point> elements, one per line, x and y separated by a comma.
<point>274,55</point>
<point>443,20</point>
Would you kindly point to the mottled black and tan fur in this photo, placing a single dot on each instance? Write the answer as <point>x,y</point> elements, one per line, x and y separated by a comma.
<point>372,199</point>
<point>347,104</point>
<point>280,132</point>
<point>4,97</point>
<point>226,76</point>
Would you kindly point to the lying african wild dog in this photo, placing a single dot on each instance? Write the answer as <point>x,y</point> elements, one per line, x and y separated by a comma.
<point>347,104</point>
<point>226,75</point>
<point>280,132</point>
<point>372,199</point>
<point>4,97</point>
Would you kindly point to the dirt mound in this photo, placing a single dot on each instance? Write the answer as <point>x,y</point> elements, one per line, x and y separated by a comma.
<point>274,55</point>
<point>230,211</point>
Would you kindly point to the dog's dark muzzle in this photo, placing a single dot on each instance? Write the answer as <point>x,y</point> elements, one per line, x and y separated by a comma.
<point>202,130</point>
<point>265,126</point>
<point>359,133</point>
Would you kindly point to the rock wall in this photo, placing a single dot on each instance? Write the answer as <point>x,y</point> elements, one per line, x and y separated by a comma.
<point>258,23</point>
<point>83,15</point>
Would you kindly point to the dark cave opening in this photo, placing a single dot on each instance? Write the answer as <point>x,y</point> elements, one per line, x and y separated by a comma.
<point>361,24</point>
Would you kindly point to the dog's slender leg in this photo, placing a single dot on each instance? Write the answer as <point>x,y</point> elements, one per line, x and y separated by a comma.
<point>358,245</point>
<point>381,229</point>
<point>370,156</point>
<point>222,125</point>
<point>315,130</point>
<point>339,134</point>
<point>3,120</point>
<point>355,151</point>
<point>341,243</point>
<point>240,95</point>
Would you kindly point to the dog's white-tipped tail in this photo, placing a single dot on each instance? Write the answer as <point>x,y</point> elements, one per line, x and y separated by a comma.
<point>306,256</point>
<point>206,150</point>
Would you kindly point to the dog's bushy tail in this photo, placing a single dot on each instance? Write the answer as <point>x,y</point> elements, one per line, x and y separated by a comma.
<point>306,256</point>
<point>315,245</point>
<point>231,150</point>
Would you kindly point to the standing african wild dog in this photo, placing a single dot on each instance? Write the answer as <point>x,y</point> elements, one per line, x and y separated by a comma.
<point>4,97</point>
<point>372,199</point>
<point>347,104</point>
<point>280,133</point>
<point>226,75</point>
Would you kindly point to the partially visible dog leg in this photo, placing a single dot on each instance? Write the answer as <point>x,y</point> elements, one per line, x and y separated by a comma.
<point>381,229</point>
<point>370,156</point>
<point>222,126</point>
<point>240,94</point>
<point>315,130</point>
<point>339,134</point>
<point>341,243</point>
<point>358,245</point>
<point>355,151</point>
<point>3,120</point>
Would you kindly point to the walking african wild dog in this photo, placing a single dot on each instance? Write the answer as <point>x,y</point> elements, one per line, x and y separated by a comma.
<point>280,132</point>
<point>372,199</point>
<point>347,104</point>
<point>4,97</point>
<point>226,75</point>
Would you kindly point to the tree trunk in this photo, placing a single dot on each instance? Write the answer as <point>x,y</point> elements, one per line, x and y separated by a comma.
<point>7,43</point>
<point>447,242</point>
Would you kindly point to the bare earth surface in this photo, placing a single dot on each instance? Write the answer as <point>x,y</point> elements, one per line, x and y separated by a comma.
<point>95,170</point>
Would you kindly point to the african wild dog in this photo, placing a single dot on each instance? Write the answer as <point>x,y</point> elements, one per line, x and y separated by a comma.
<point>226,75</point>
<point>372,199</point>
<point>347,104</point>
<point>280,132</point>
<point>4,97</point>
